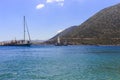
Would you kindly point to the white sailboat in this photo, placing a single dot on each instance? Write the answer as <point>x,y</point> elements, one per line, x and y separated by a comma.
<point>59,43</point>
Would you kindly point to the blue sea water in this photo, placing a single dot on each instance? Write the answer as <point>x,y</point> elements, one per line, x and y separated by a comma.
<point>60,63</point>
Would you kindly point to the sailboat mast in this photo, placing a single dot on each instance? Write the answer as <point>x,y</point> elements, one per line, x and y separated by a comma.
<point>24,27</point>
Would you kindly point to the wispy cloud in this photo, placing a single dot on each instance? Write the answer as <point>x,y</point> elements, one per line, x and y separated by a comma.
<point>59,2</point>
<point>59,31</point>
<point>40,6</point>
<point>51,1</point>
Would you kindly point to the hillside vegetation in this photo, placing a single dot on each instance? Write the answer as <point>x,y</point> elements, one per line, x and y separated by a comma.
<point>103,28</point>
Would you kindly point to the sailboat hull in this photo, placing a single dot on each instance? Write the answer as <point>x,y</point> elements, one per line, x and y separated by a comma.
<point>17,45</point>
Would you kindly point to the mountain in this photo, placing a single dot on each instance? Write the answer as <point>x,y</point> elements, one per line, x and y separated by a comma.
<point>103,28</point>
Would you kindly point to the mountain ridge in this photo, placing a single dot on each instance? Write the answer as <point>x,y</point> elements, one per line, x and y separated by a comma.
<point>102,28</point>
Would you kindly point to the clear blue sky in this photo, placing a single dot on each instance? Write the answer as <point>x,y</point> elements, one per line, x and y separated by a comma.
<point>45,17</point>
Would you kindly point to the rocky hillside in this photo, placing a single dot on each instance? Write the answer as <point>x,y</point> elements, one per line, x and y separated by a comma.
<point>103,28</point>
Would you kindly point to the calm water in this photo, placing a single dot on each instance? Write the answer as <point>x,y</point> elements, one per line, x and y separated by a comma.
<point>60,63</point>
